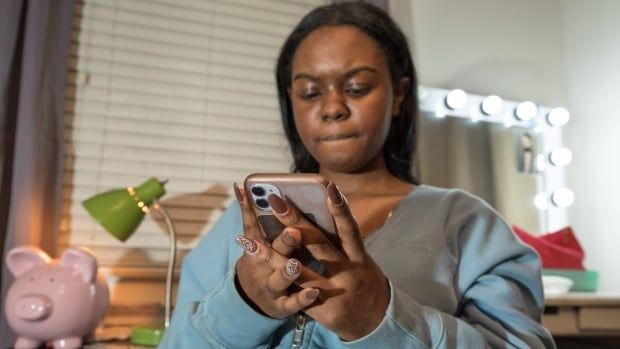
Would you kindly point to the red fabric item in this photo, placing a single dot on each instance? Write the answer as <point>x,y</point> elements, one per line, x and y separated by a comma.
<point>557,250</point>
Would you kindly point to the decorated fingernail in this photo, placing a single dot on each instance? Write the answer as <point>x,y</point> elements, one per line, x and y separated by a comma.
<point>313,294</point>
<point>278,205</point>
<point>334,194</point>
<point>292,267</point>
<point>250,246</point>
<point>288,239</point>
<point>238,193</point>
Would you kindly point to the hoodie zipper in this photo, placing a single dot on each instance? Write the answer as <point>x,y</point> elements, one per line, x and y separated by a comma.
<point>298,334</point>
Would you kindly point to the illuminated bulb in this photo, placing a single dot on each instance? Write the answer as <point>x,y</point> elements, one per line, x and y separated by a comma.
<point>558,117</point>
<point>526,111</point>
<point>563,197</point>
<point>492,105</point>
<point>456,99</point>
<point>561,157</point>
<point>541,201</point>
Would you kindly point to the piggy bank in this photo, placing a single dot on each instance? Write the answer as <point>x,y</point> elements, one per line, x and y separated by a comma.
<point>57,301</point>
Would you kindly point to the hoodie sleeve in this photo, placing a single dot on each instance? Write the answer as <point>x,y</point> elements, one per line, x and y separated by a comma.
<point>499,284</point>
<point>209,311</point>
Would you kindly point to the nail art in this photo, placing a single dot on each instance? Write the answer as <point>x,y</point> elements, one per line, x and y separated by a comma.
<point>250,246</point>
<point>238,193</point>
<point>334,194</point>
<point>292,267</point>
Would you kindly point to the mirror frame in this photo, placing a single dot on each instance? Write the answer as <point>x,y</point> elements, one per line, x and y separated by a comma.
<point>550,178</point>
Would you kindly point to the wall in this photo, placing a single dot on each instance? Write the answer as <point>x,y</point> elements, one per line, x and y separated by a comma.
<point>485,47</point>
<point>592,70</point>
<point>556,53</point>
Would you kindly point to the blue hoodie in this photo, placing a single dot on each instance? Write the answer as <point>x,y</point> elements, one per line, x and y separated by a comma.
<point>458,276</point>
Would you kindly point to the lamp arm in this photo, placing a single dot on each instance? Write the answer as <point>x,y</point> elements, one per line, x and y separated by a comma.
<point>171,259</point>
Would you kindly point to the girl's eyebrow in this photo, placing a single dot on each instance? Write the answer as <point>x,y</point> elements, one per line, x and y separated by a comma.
<point>349,73</point>
<point>305,76</point>
<point>356,70</point>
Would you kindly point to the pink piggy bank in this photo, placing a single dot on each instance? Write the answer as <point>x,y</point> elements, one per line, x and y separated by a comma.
<point>58,301</point>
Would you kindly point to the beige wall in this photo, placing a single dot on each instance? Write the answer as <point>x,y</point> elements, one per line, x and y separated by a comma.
<point>592,70</point>
<point>554,52</point>
<point>509,48</point>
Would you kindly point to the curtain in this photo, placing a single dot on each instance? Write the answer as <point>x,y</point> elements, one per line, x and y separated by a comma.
<point>34,45</point>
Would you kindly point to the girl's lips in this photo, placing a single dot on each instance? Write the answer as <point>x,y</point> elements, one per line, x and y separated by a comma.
<point>340,137</point>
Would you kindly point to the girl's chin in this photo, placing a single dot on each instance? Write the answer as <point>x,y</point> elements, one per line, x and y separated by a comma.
<point>342,165</point>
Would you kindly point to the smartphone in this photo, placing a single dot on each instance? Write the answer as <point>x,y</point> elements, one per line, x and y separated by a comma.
<point>306,191</point>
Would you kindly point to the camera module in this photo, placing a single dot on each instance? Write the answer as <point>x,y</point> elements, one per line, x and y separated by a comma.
<point>258,191</point>
<point>262,203</point>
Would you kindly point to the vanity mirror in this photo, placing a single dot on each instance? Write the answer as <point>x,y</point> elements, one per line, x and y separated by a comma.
<point>509,153</point>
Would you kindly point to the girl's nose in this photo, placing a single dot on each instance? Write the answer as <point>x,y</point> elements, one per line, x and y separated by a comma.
<point>334,108</point>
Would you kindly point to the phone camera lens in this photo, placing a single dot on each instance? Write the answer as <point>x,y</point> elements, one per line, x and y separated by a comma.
<point>258,191</point>
<point>262,203</point>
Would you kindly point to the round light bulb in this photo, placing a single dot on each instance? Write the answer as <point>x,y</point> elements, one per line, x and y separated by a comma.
<point>561,157</point>
<point>563,197</point>
<point>492,105</point>
<point>558,117</point>
<point>456,99</point>
<point>526,111</point>
<point>541,201</point>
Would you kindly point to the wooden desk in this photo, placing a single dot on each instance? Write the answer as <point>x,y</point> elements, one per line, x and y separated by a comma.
<point>583,314</point>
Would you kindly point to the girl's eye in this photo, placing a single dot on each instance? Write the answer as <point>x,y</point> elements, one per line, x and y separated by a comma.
<point>357,91</point>
<point>309,95</point>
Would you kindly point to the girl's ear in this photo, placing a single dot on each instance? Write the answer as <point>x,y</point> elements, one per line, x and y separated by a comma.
<point>400,91</point>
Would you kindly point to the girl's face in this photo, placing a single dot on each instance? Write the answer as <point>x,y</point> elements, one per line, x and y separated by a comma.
<point>343,98</point>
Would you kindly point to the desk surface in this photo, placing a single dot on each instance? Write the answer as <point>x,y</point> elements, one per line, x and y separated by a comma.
<point>584,299</point>
<point>584,314</point>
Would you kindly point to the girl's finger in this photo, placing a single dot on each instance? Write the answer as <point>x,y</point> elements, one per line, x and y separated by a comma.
<point>276,261</point>
<point>312,237</point>
<point>251,228</point>
<point>298,301</point>
<point>287,241</point>
<point>260,251</point>
<point>281,279</point>
<point>346,225</point>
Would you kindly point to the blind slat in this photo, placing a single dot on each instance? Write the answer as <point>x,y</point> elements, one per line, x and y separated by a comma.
<point>138,122</point>
<point>176,90</point>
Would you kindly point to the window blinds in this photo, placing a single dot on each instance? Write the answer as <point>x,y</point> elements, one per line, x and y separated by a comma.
<point>180,90</point>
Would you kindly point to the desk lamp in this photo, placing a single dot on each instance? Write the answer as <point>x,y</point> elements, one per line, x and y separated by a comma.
<point>120,212</point>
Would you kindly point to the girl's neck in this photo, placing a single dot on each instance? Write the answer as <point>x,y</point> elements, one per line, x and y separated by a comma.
<point>374,179</point>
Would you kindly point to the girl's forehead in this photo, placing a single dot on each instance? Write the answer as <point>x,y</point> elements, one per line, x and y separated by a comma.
<point>336,47</point>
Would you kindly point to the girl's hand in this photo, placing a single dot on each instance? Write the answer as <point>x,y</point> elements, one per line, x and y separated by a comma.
<point>264,273</point>
<point>354,290</point>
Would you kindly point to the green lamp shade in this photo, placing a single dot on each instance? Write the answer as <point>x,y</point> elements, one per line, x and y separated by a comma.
<point>120,211</point>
